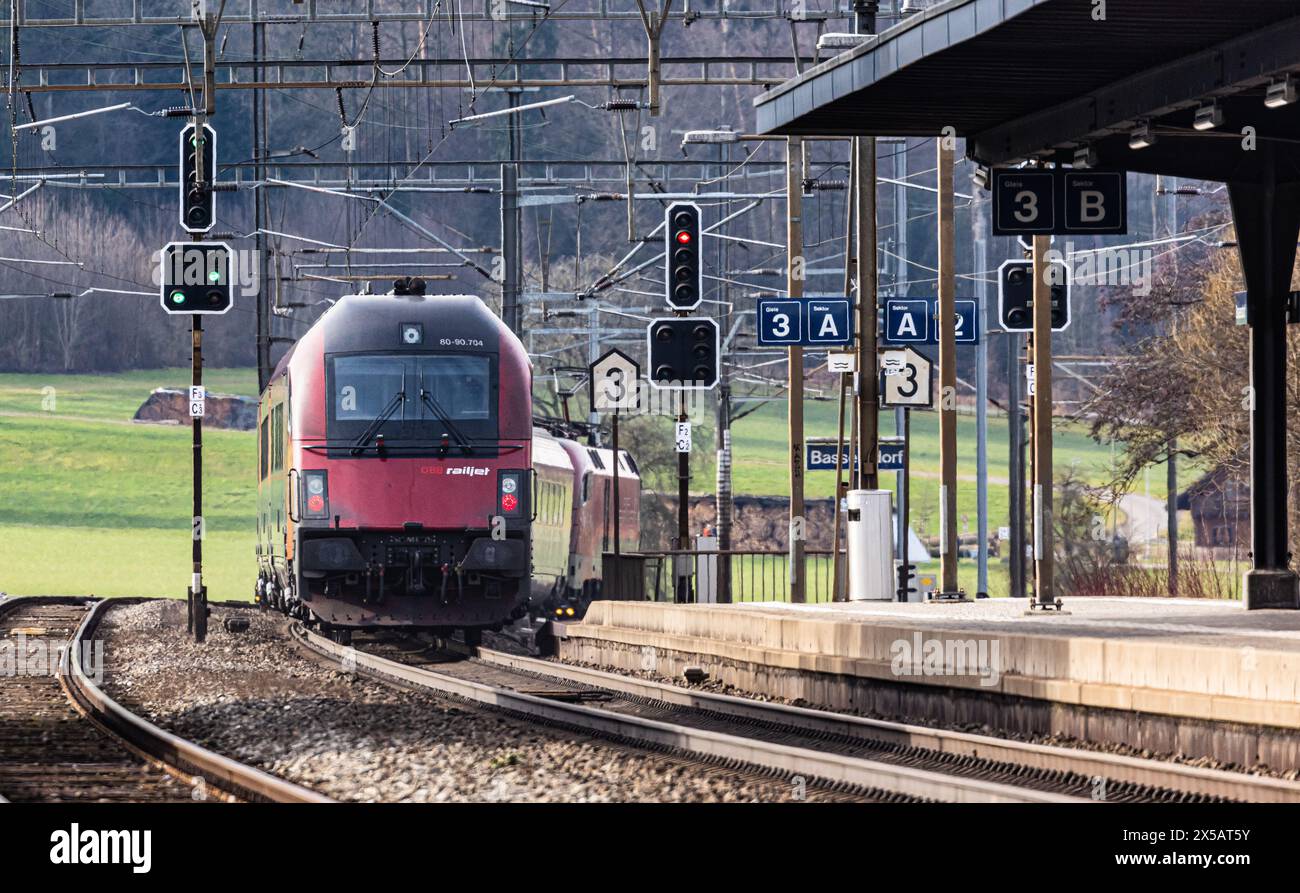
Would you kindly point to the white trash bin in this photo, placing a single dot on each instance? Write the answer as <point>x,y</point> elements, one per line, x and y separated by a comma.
<point>870,532</point>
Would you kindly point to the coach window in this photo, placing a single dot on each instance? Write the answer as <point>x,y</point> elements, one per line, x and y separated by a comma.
<point>265,444</point>
<point>277,437</point>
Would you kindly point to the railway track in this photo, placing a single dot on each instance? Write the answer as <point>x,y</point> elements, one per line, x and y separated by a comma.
<point>1116,778</point>
<point>1067,772</point>
<point>608,714</point>
<point>62,739</point>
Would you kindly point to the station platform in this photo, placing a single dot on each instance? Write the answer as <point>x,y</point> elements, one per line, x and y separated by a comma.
<point>1184,676</point>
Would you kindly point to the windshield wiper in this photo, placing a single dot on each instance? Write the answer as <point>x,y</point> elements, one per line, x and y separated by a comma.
<point>392,407</point>
<point>437,410</point>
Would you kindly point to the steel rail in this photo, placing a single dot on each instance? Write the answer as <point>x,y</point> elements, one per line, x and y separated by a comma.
<point>1114,767</point>
<point>714,746</point>
<point>185,757</point>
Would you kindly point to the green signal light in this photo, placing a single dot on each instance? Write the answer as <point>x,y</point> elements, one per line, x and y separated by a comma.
<point>214,276</point>
<point>178,297</point>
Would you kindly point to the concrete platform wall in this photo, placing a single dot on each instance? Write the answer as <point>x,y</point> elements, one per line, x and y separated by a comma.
<point>1238,705</point>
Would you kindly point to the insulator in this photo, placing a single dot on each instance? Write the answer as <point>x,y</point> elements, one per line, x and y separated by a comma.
<point>343,114</point>
<point>622,105</point>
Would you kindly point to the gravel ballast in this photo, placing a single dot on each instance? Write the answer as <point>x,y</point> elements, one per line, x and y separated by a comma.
<point>256,698</point>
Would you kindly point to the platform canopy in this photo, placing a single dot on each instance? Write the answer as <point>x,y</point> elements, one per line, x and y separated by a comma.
<point>1026,79</point>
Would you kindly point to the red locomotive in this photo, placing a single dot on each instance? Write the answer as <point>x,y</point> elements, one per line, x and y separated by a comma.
<point>402,482</point>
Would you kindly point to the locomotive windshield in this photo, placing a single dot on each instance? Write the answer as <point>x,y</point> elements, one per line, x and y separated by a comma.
<point>415,398</point>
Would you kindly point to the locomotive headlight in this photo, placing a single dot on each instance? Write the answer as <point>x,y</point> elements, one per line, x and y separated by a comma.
<point>316,501</point>
<point>509,485</point>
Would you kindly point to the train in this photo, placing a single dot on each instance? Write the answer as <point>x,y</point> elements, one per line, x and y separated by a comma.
<point>403,482</point>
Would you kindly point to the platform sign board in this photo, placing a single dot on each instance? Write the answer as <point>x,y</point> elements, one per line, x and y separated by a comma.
<point>780,322</point>
<point>1095,202</point>
<point>905,379</point>
<point>1024,202</point>
<point>812,321</point>
<point>967,320</point>
<point>613,381</point>
<point>1082,202</point>
<point>916,321</point>
<point>829,321</point>
<point>907,320</point>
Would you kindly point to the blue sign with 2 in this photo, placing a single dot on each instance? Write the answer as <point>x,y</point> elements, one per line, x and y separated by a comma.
<point>812,321</point>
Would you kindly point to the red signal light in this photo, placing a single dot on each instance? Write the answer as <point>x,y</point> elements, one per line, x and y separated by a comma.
<point>509,502</point>
<point>684,237</point>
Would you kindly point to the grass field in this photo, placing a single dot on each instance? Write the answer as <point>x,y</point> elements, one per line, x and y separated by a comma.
<point>90,502</point>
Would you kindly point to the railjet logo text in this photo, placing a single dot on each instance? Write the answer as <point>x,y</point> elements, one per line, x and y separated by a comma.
<point>77,847</point>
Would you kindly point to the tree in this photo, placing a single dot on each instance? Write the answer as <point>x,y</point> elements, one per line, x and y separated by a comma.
<point>1190,384</point>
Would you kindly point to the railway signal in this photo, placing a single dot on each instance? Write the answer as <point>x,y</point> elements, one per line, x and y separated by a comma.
<point>685,276</point>
<point>683,352</point>
<point>1016,296</point>
<point>198,157</point>
<point>196,278</point>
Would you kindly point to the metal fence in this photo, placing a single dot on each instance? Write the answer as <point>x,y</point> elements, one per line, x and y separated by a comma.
<point>688,576</point>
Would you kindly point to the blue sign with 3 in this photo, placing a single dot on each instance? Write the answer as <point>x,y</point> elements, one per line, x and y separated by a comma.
<point>780,322</point>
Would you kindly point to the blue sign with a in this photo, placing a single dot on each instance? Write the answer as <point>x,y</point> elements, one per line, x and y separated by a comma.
<point>829,321</point>
<point>907,320</point>
<point>811,322</point>
<point>915,321</point>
